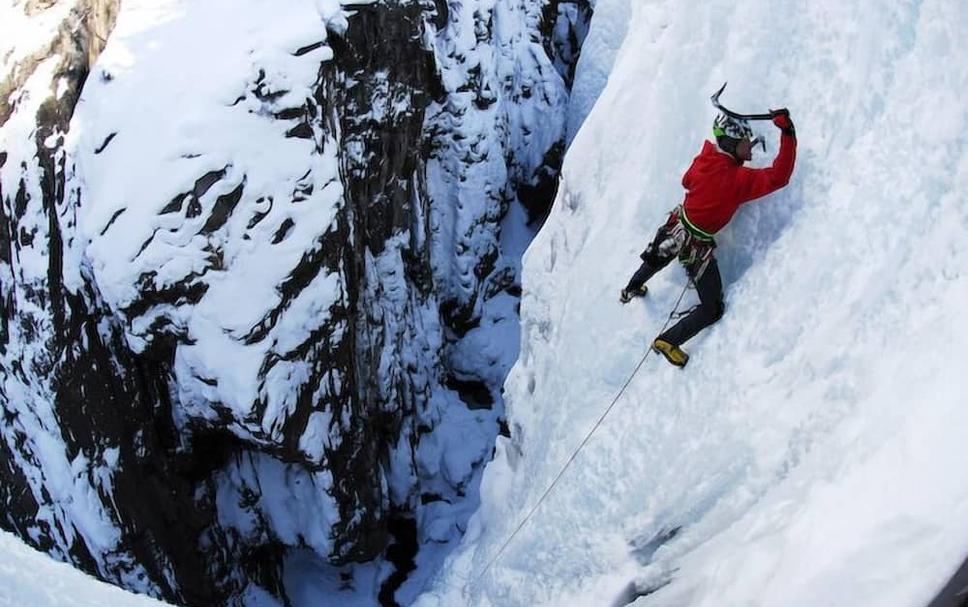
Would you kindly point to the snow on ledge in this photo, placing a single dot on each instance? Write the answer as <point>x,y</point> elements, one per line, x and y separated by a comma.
<point>28,577</point>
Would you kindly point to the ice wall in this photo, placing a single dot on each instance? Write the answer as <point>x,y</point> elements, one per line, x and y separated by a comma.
<point>809,453</point>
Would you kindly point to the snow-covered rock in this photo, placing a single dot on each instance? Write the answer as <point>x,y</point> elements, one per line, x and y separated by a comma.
<point>256,294</point>
<point>84,426</point>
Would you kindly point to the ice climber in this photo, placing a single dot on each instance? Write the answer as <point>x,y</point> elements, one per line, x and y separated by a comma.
<point>716,184</point>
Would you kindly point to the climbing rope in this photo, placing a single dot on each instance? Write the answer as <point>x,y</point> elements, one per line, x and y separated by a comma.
<point>582,444</point>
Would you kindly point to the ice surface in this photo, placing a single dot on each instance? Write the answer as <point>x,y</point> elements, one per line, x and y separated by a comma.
<point>28,577</point>
<point>598,53</point>
<point>810,454</point>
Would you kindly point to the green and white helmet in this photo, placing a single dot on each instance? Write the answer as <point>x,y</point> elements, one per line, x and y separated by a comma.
<point>729,131</point>
<point>734,128</point>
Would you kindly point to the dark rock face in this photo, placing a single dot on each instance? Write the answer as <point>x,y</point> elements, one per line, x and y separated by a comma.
<point>380,61</point>
<point>126,450</point>
<point>564,26</point>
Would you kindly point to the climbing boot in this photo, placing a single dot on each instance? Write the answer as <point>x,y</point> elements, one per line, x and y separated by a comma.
<point>672,353</point>
<point>628,294</point>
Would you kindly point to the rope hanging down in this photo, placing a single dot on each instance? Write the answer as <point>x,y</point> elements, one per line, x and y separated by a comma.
<point>581,445</point>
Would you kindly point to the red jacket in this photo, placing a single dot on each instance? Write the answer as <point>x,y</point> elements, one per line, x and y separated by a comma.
<point>717,184</point>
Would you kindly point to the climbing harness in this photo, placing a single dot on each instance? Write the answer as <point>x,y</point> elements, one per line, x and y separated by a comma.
<point>679,237</point>
<point>581,445</point>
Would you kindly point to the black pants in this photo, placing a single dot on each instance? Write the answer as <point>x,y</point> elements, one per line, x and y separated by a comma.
<point>709,285</point>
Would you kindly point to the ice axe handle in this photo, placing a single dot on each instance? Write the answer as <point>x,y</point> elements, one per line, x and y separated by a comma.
<point>737,115</point>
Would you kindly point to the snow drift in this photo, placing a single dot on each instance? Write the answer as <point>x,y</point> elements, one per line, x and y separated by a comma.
<point>28,577</point>
<point>811,452</point>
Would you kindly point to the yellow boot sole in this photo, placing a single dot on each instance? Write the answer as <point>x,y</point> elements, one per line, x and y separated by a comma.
<point>672,353</point>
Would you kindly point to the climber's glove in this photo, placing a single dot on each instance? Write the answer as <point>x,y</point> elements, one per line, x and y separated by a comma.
<point>781,118</point>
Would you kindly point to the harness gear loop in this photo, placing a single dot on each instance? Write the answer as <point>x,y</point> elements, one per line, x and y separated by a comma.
<point>680,237</point>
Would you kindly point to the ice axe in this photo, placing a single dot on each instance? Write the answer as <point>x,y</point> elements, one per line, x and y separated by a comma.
<point>732,114</point>
<point>768,116</point>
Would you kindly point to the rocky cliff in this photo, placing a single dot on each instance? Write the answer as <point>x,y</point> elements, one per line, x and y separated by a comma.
<point>246,256</point>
